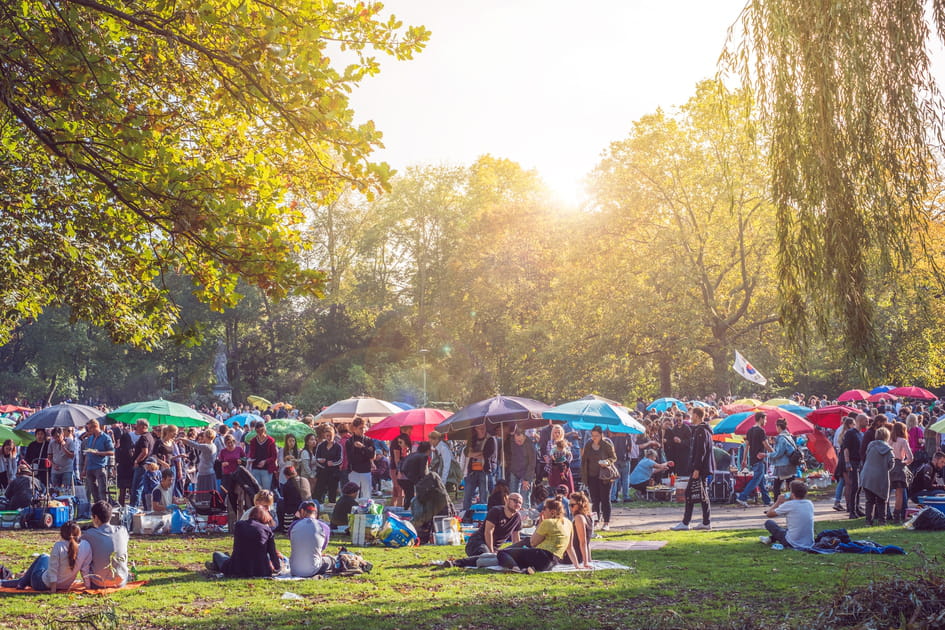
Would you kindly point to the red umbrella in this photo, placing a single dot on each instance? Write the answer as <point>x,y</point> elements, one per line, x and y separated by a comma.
<point>914,392</point>
<point>796,424</point>
<point>731,410</point>
<point>853,394</point>
<point>13,408</point>
<point>420,421</point>
<point>830,417</point>
<point>881,396</point>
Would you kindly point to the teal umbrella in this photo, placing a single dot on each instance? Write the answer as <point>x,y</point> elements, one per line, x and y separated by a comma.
<point>283,427</point>
<point>584,415</point>
<point>159,412</point>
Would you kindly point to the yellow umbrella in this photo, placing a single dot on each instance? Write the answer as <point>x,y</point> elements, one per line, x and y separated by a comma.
<point>259,402</point>
<point>754,402</point>
<point>777,402</point>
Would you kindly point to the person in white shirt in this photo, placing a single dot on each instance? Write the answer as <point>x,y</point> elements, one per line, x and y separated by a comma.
<point>57,570</point>
<point>309,538</point>
<point>799,513</point>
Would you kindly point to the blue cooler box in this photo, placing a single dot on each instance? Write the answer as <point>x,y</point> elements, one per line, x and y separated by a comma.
<point>935,502</point>
<point>48,517</point>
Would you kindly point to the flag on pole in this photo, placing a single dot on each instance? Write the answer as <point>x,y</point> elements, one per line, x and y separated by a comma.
<point>745,369</point>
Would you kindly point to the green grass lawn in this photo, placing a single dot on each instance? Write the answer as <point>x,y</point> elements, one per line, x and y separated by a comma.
<point>720,579</point>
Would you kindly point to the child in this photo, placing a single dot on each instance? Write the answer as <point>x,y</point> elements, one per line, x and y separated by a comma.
<point>561,453</point>
<point>152,479</point>
<point>56,571</point>
<point>347,502</point>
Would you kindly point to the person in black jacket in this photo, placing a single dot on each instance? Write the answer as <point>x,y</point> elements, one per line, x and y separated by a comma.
<point>20,491</point>
<point>703,465</point>
<point>254,549</point>
<point>360,451</point>
<point>415,467</point>
<point>923,481</point>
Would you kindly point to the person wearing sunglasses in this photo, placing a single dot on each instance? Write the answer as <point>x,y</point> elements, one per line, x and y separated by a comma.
<point>502,523</point>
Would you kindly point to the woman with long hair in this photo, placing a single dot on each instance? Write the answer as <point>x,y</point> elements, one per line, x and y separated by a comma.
<point>399,450</point>
<point>329,456</point>
<point>288,456</point>
<point>900,475</point>
<point>598,452</point>
<point>582,530</point>
<point>558,460</point>
<point>57,570</point>
<point>7,463</point>
<point>307,466</point>
<point>546,547</point>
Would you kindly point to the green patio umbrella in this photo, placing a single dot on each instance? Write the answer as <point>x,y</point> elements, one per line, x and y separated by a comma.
<point>283,427</point>
<point>159,412</point>
<point>20,438</point>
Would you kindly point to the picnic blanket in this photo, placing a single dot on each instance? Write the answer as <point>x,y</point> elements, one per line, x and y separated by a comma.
<point>77,588</point>
<point>596,565</point>
<point>627,545</point>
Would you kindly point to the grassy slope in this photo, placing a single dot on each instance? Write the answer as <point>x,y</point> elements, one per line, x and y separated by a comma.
<point>722,579</point>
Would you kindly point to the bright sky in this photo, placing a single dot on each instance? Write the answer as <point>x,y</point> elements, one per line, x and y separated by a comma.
<point>548,84</point>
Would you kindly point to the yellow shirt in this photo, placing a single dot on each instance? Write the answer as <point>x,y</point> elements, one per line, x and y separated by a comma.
<point>557,535</point>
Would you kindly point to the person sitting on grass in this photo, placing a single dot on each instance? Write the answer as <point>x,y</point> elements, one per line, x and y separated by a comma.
<point>266,500</point>
<point>109,543</point>
<point>57,570</point>
<point>162,497</point>
<point>582,530</point>
<point>502,523</point>
<point>642,474</point>
<point>799,513</point>
<point>546,547</point>
<point>345,504</point>
<point>20,491</point>
<point>309,537</point>
<point>254,548</point>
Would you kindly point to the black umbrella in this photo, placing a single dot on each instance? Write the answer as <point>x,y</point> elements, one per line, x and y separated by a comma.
<point>64,415</point>
<point>524,412</point>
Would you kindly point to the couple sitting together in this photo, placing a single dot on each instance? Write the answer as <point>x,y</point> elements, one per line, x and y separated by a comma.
<point>556,539</point>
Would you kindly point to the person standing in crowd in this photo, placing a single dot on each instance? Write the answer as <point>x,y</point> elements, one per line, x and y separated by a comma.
<point>360,451</point>
<point>399,450</point>
<point>680,442</point>
<point>441,460</point>
<point>620,488</point>
<point>99,447</point>
<point>852,464</point>
<point>415,467</point>
<point>596,451</point>
<point>288,456</point>
<point>874,478</point>
<point>480,462</point>
<point>703,465</point>
<point>7,463</point>
<point>307,467</point>
<point>144,446</point>
<point>784,470</point>
<point>755,458</point>
<point>206,455</point>
<point>37,456</point>
<point>125,466</point>
<point>62,452</point>
<point>520,460</point>
<point>263,456</point>
<point>109,543</point>
<point>901,474</point>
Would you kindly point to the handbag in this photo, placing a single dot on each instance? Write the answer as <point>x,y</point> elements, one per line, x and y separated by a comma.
<point>608,470</point>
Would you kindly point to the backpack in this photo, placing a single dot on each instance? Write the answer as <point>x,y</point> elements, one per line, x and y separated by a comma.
<point>795,457</point>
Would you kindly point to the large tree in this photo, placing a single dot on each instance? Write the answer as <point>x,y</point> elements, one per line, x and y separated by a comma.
<point>143,136</point>
<point>849,101</point>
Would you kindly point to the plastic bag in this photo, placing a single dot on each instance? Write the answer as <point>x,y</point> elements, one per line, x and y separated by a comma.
<point>397,532</point>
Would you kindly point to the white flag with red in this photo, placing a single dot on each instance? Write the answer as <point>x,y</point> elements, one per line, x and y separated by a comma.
<point>745,369</point>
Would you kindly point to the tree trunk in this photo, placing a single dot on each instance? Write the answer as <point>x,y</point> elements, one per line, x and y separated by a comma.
<point>666,375</point>
<point>52,389</point>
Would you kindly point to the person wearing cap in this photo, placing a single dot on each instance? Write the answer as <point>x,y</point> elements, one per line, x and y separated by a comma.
<point>347,503</point>
<point>20,491</point>
<point>309,538</point>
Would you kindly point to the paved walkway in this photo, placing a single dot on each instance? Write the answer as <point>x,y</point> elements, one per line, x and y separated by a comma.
<point>724,516</point>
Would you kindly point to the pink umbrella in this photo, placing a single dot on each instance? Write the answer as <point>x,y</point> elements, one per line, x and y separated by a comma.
<point>853,394</point>
<point>881,396</point>
<point>830,417</point>
<point>795,423</point>
<point>420,421</point>
<point>914,392</point>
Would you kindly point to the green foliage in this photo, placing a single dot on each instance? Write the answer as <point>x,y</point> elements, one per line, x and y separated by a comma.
<point>154,137</point>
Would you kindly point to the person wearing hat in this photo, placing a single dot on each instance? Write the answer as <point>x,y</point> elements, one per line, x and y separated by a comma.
<point>20,491</point>
<point>345,505</point>
<point>309,538</point>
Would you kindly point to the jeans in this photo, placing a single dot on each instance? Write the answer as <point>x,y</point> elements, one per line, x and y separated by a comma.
<point>364,481</point>
<point>263,476</point>
<point>62,479</point>
<point>515,483</point>
<point>33,576</point>
<point>600,497</point>
<point>475,479</point>
<point>838,495</point>
<point>777,533</point>
<point>137,486</point>
<point>97,485</point>
<point>621,486</point>
<point>757,481</point>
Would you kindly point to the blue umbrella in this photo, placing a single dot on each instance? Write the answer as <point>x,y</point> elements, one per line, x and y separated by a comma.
<point>584,415</point>
<point>729,424</point>
<point>403,405</point>
<point>698,403</point>
<point>662,404</point>
<point>797,410</point>
<point>882,389</point>
<point>242,419</point>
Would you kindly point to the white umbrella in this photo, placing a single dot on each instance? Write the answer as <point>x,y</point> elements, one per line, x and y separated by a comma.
<point>359,406</point>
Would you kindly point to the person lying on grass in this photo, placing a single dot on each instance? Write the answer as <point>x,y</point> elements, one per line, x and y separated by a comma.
<point>502,523</point>
<point>799,513</point>
<point>57,570</point>
<point>254,549</point>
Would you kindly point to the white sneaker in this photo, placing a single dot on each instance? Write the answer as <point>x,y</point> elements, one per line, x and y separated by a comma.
<point>744,504</point>
<point>764,540</point>
<point>605,527</point>
<point>702,526</point>
<point>679,527</point>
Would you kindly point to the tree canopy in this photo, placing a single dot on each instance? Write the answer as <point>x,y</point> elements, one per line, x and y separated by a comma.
<point>147,136</point>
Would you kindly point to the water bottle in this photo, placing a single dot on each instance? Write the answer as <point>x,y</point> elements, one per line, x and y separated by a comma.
<point>777,547</point>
